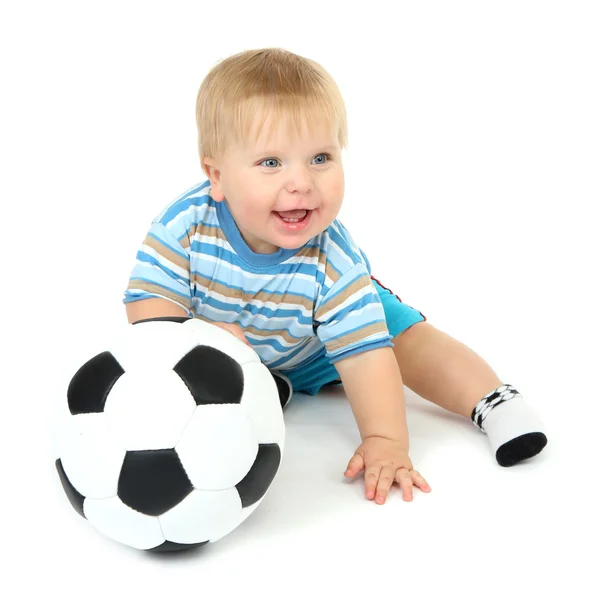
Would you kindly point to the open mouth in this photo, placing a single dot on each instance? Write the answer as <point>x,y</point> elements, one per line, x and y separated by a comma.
<point>293,220</point>
<point>293,216</point>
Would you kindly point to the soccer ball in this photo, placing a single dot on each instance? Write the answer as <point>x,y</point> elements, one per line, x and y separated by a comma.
<point>172,437</point>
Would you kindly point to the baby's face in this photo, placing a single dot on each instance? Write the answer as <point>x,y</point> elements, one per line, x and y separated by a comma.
<point>284,190</point>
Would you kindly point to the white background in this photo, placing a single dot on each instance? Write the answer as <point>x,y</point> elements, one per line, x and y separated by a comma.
<point>473,186</point>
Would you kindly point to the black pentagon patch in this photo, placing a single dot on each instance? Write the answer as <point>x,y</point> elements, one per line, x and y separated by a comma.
<point>75,498</point>
<point>153,481</point>
<point>254,486</point>
<point>212,376</point>
<point>172,319</point>
<point>92,383</point>
<point>175,547</point>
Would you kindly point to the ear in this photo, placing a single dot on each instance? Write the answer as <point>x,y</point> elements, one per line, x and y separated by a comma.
<point>213,172</point>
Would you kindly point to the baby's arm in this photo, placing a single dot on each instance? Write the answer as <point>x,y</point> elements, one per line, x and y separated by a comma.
<point>151,308</point>
<point>373,384</point>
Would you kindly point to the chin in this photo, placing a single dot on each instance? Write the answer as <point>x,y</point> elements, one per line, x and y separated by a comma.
<point>292,245</point>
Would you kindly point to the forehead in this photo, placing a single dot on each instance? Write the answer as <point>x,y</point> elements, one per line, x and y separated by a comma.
<point>280,132</point>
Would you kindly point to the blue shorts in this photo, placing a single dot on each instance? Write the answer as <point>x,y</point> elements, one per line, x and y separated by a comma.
<point>310,378</point>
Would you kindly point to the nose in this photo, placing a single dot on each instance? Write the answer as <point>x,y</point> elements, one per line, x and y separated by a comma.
<point>300,181</point>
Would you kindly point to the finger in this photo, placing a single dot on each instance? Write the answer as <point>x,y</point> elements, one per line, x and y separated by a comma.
<point>237,331</point>
<point>239,334</point>
<point>371,479</point>
<point>420,482</point>
<point>355,466</point>
<point>241,337</point>
<point>405,482</point>
<point>386,479</point>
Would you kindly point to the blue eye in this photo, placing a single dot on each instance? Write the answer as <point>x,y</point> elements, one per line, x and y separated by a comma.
<point>324,156</point>
<point>272,163</point>
<point>270,160</point>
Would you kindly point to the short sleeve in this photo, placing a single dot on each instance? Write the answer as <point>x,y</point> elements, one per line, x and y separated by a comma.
<point>161,270</point>
<point>350,317</point>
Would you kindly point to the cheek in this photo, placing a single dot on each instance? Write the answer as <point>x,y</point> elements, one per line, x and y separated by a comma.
<point>253,207</point>
<point>335,188</point>
<point>248,198</point>
<point>341,187</point>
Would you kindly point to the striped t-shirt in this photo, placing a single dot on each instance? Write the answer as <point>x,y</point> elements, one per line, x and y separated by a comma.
<point>293,305</point>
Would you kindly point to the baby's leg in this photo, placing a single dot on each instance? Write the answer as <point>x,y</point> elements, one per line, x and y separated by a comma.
<point>443,370</point>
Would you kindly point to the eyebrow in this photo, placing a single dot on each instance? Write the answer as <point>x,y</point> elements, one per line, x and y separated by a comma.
<point>273,152</point>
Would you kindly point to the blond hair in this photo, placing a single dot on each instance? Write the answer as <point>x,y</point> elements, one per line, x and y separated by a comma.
<point>257,84</point>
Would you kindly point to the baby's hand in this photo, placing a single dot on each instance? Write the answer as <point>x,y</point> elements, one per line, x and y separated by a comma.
<point>235,330</point>
<point>384,462</point>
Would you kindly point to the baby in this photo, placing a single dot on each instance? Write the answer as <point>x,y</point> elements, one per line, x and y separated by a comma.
<point>256,249</point>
